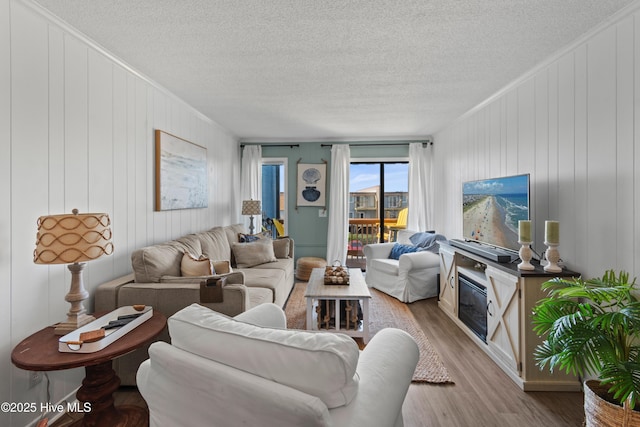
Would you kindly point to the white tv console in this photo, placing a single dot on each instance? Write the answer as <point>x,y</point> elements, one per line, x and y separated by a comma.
<point>511,296</point>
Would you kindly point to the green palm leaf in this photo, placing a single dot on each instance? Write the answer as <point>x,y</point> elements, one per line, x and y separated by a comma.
<point>592,327</point>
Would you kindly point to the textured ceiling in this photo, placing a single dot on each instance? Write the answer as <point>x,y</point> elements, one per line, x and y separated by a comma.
<point>339,69</point>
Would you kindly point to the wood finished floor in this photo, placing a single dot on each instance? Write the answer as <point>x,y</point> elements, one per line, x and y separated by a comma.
<point>481,396</point>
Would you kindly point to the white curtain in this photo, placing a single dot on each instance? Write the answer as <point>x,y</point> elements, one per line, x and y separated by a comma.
<point>420,187</point>
<point>251,181</point>
<point>339,204</point>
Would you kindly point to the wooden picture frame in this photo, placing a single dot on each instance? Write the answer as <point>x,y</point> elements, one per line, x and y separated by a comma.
<point>181,173</point>
<point>312,183</point>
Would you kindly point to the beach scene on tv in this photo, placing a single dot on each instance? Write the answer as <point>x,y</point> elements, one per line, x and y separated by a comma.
<point>492,209</point>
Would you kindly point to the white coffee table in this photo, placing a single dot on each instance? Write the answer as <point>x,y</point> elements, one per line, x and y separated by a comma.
<point>357,290</point>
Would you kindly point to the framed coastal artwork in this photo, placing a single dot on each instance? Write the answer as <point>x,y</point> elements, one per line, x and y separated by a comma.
<point>312,182</point>
<point>181,173</point>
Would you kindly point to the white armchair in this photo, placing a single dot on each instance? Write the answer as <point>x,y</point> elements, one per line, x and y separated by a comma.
<point>412,277</point>
<point>250,370</point>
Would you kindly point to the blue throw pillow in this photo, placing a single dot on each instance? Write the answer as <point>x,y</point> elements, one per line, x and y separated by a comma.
<point>427,241</point>
<point>248,238</point>
<point>399,249</point>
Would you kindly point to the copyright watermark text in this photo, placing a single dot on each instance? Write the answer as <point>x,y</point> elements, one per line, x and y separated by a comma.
<point>26,407</point>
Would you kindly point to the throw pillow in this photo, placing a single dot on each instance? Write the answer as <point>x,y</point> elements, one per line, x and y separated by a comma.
<point>192,266</point>
<point>281,247</point>
<point>222,267</point>
<point>321,364</point>
<point>400,249</point>
<point>254,253</point>
<point>428,241</point>
<point>247,238</point>
<point>152,262</point>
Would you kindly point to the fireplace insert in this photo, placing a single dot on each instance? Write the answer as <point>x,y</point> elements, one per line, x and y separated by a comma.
<point>472,305</point>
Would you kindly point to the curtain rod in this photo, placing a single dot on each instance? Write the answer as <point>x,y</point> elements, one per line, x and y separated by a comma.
<point>273,145</point>
<point>366,144</point>
<point>373,144</point>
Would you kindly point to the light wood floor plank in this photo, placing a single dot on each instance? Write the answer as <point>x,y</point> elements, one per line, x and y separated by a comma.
<point>483,395</point>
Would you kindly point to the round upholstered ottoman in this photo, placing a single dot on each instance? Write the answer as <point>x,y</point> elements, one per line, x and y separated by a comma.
<point>306,264</point>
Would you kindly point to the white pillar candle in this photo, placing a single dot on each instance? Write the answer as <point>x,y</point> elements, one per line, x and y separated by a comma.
<point>524,231</point>
<point>552,232</point>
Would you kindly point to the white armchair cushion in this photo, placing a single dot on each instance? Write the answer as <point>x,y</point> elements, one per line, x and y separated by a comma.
<point>404,236</point>
<point>386,265</point>
<point>378,250</point>
<point>184,390</point>
<point>320,364</point>
<point>267,315</point>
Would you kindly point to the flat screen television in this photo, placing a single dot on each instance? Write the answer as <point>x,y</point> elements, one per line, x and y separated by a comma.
<point>491,209</point>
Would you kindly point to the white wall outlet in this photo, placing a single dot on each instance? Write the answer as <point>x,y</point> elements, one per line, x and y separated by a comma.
<point>35,378</point>
<point>322,213</point>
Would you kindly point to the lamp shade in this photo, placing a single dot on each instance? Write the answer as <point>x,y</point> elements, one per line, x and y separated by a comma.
<point>71,238</point>
<point>251,207</point>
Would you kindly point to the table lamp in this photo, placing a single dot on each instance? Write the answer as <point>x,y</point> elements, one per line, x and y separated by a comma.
<point>251,207</point>
<point>72,239</point>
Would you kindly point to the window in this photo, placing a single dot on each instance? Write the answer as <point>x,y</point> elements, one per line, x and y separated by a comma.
<point>371,179</point>
<point>274,192</point>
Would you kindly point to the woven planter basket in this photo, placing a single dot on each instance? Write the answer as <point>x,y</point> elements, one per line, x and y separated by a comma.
<point>599,412</point>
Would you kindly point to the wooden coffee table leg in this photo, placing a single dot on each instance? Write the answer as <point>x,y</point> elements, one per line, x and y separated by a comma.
<point>96,400</point>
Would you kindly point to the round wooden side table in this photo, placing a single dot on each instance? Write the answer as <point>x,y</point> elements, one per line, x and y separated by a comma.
<point>39,352</point>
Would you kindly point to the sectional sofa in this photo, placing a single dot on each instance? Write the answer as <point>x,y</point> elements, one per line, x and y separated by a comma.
<point>222,268</point>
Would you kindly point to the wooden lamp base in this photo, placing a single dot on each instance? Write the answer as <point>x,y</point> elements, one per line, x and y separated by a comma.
<point>76,317</point>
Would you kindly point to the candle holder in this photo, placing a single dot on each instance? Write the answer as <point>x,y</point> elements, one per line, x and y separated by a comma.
<point>525,256</point>
<point>553,256</point>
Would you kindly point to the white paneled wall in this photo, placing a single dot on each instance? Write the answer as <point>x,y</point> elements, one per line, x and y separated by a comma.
<point>5,204</point>
<point>574,125</point>
<point>76,131</point>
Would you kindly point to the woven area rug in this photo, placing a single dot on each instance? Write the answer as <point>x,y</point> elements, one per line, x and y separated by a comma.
<point>385,312</point>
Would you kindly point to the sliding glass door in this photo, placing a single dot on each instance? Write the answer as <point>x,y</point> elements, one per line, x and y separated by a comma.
<point>378,194</point>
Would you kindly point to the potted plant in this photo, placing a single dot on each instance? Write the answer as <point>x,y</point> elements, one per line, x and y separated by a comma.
<point>592,327</point>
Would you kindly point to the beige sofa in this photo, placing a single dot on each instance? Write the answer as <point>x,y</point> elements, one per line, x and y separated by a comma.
<point>261,272</point>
